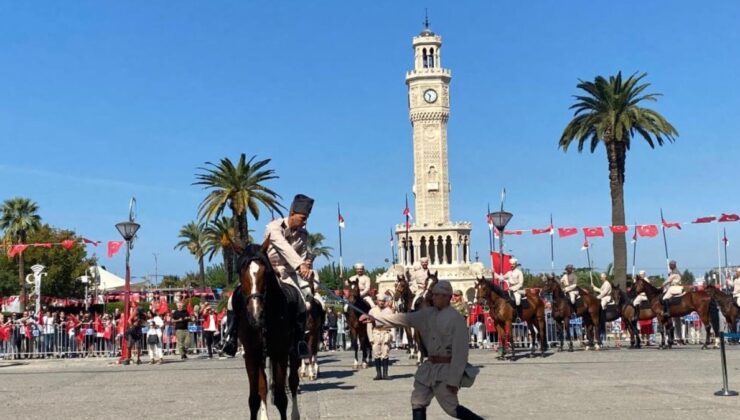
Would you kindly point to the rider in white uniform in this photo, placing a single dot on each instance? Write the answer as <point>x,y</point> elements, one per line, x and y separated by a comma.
<point>642,297</point>
<point>569,283</point>
<point>515,279</point>
<point>672,286</point>
<point>605,291</point>
<point>364,283</point>
<point>417,276</point>
<point>736,287</point>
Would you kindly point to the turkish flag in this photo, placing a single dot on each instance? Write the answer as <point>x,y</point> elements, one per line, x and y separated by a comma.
<point>113,247</point>
<point>44,245</point>
<point>189,308</point>
<point>647,230</point>
<point>496,257</point>
<point>729,218</point>
<point>163,308</point>
<point>619,229</point>
<point>565,232</point>
<point>513,232</point>
<point>593,231</point>
<point>68,244</point>
<point>669,225</point>
<point>16,249</point>
<point>541,231</point>
<point>706,219</point>
<point>91,242</point>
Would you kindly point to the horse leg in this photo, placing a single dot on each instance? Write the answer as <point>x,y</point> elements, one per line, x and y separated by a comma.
<point>354,338</point>
<point>566,326</point>
<point>279,398</point>
<point>255,376</point>
<point>561,333</point>
<point>293,384</point>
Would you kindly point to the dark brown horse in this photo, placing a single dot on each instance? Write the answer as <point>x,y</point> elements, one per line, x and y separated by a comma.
<point>503,313</point>
<point>314,336</point>
<point>727,305</point>
<point>692,301</point>
<point>358,330</point>
<point>403,298</point>
<point>266,328</point>
<point>589,310</point>
<point>630,315</point>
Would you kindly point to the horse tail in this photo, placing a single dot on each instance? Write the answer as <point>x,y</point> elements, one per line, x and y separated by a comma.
<point>602,322</point>
<point>714,315</point>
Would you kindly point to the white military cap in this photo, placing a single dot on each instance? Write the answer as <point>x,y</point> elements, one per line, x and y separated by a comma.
<point>424,259</point>
<point>514,261</point>
<point>359,266</point>
<point>642,273</point>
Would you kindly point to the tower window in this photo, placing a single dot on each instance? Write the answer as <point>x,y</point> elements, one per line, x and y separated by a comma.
<point>431,58</point>
<point>425,58</point>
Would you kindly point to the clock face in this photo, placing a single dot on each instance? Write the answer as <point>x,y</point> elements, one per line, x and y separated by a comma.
<point>430,95</point>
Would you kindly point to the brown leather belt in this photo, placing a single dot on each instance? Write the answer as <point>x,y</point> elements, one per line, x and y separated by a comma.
<point>440,359</point>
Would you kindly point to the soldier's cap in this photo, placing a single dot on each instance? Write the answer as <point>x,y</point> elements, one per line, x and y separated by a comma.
<point>359,266</point>
<point>424,259</point>
<point>302,204</point>
<point>569,266</point>
<point>443,287</point>
<point>458,292</point>
<point>514,261</point>
<point>642,273</point>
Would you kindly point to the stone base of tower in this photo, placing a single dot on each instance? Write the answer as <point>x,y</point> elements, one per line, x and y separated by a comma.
<point>447,246</point>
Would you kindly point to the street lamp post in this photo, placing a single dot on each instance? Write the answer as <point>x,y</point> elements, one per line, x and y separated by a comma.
<point>128,231</point>
<point>500,219</point>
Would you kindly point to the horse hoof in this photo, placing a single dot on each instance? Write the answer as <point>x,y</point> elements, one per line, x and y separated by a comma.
<point>704,347</point>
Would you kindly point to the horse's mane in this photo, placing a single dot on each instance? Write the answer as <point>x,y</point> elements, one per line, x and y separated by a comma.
<point>649,286</point>
<point>497,290</point>
<point>719,295</point>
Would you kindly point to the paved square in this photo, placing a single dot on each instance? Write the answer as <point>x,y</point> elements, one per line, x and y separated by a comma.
<point>611,384</point>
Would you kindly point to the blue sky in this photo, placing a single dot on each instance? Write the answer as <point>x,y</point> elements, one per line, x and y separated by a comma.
<point>103,101</point>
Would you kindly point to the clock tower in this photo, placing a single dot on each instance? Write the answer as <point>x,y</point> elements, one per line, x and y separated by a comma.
<point>432,235</point>
<point>429,109</point>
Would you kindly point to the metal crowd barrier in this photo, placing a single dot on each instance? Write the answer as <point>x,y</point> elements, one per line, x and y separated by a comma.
<point>725,391</point>
<point>86,342</point>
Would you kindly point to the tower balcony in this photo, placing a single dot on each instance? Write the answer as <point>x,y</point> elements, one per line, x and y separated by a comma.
<point>432,73</point>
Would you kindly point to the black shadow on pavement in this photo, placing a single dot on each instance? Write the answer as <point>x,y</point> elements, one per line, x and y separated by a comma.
<point>326,385</point>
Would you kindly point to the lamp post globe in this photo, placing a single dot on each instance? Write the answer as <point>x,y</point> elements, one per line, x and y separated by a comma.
<point>500,219</point>
<point>128,232</point>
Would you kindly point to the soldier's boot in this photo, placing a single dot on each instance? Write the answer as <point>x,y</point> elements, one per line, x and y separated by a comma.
<point>300,331</point>
<point>419,414</point>
<point>230,335</point>
<point>465,414</point>
<point>666,308</point>
<point>385,368</point>
<point>519,312</point>
<point>378,372</point>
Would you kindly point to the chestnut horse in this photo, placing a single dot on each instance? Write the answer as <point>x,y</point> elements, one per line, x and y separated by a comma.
<point>358,330</point>
<point>266,330</point>
<point>589,311</point>
<point>630,315</point>
<point>503,313</point>
<point>699,302</point>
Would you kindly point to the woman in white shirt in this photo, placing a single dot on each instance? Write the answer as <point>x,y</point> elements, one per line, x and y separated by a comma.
<point>154,340</point>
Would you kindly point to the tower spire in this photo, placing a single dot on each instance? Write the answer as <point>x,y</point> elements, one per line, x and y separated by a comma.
<point>426,18</point>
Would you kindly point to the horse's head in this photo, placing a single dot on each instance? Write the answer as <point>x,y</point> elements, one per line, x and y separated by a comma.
<point>481,290</point>
<point>254,269</point>
<point>354,290</point>
<point>401,285</point>
<point>642,286</point>
<point>550,284</point>
<point>432,279</point>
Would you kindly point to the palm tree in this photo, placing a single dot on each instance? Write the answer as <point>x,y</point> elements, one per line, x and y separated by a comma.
<point>315,247</point>
<point>610,114</point>
<point>195,239</point>
<point>239,186</point>
<point>18,217</point>
<point>220,234</point>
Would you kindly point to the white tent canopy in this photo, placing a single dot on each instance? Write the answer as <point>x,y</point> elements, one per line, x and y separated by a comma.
<point>109,280</point>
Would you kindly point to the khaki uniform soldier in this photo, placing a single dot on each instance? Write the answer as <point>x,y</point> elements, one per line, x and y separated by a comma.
<point>445,335</point>
<point>515,279</point>
<point>605,291</point>
<point>672,286</point>
<point>363,281</point>
<point>380,337</point>
<point>642,297</point>
<point>458,303</point>
<point>569,282</point>
<point>736,287</point>
<point>418,277</point>
<point>288,255</point>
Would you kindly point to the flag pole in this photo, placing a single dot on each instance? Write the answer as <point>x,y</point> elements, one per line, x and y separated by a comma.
<point>341,260</point>
<point>406,244</point>
<point>634,251</point>
<point>552,245</point>
<point>490,230</point>
<point>665,240</point>
<point>393,251</point>
<point>588,256</point>
<point>724,240</point>
<point>719,259</point>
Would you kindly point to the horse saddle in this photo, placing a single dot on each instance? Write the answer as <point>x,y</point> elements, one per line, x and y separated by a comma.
<point>579,301</point>
<point>611,311</point>
<point>675,300</point>
<point>645,305</point>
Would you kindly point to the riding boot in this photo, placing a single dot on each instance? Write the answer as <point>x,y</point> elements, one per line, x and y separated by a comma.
<point>419,414</point>
<point>465,414</point>
<point>519,312</point>
<point>378,372</point>
<point>230,335</point>
<point>385,368</point>
<point>666,308</point>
